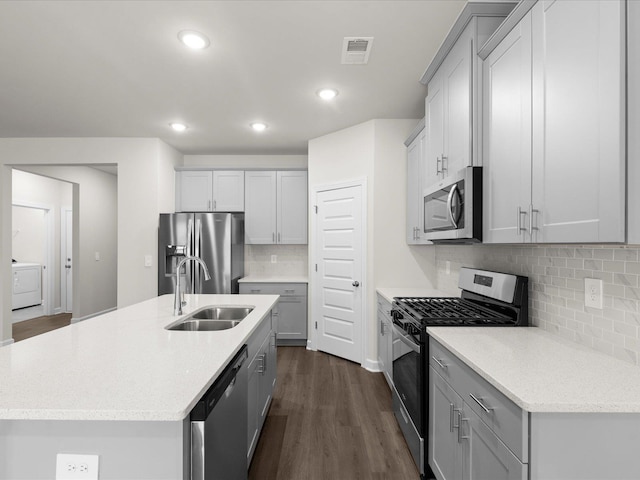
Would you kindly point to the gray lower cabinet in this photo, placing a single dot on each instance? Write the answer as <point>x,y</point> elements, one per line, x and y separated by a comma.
<point>475,432</point>
<point>385,339</point>
<point>291,310</point>
<point>262,379</point>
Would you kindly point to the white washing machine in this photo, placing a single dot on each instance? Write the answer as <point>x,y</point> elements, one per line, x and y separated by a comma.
<point>26,285</point>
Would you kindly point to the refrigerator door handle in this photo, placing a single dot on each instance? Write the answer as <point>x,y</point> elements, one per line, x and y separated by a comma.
<point>188,265</point>
<point>197,277</point>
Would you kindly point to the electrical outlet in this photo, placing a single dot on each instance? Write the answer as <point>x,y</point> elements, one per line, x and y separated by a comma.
<point>274,259</point>
<point>76,467</point>
<point>447,266</point>
<point>148,260</point>
<point>593,293</point>
<point>97,256</point>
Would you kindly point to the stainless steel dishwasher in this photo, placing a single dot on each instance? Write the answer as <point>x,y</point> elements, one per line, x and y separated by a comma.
<point>219,426</point>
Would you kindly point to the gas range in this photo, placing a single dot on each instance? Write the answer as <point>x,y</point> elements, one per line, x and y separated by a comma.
<point>487,298</point>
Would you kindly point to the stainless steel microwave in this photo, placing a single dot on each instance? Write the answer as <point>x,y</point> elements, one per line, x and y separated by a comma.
<point>453,208</point>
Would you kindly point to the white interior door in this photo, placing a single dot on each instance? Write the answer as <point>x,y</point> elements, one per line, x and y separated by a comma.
<point>339,257</point>
<point>66,260</point>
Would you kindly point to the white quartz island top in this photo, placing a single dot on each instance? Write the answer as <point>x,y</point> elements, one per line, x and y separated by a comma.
<point>541,372</point>
<point>122,365</point>
<point>389,292</point>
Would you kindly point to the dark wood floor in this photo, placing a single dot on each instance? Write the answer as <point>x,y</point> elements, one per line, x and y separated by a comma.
<point>330,419</point>
<point>36,326</point>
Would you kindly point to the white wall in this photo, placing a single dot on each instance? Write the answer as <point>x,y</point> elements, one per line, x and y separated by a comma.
<point>144,167</point>
<point>375,151</point>
<point>246,161</point>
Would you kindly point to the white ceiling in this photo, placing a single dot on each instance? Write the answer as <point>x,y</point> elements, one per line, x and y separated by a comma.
<point>116,69</point>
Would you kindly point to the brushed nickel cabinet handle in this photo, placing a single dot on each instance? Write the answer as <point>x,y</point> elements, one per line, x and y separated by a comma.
<point>479,402</point>
<point>440,364</point>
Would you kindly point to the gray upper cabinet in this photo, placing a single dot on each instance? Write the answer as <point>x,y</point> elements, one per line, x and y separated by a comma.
<point>452,106</point>
<point>276,207</point>
<point>554,126</point>
<point>416,181</point>
<point>210,191</point>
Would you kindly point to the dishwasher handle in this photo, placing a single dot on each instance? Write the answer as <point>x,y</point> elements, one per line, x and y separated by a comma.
<point>222,387</point>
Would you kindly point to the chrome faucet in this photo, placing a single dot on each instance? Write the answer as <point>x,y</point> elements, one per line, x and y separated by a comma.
<point>178,301</point>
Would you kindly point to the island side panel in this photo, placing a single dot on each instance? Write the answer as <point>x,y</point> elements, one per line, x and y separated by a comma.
<point>133,450</point>
<point>578,446</point>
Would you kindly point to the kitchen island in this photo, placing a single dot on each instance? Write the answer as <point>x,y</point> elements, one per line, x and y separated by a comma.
<point>118,385</point>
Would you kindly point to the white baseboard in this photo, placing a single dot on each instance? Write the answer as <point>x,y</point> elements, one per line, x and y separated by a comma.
<point>57,311</point>
<point>87,317</point>
<point>371,365</point>
<point>6,342</point>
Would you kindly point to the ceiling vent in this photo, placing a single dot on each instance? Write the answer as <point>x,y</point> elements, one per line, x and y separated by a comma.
<point>356,50</point>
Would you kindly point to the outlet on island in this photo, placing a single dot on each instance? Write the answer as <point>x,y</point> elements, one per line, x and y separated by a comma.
<point>76,467</point>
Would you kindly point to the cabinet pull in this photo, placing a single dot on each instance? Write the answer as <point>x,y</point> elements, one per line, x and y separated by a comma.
<point>440,364</point>
<point>531,212</point>
<point>438,163</point>
<point>289,290</point>
<point>451,417</point>
<point>482,405</point>
<point>255,290</point>
<point>278,237</point>
<point>443,168</point>
<point>273,237</point>
<point>215,205</point>
<point>208,204</point>
<point>381,328</point>
<point>519,228</point>
<point>459,426</point>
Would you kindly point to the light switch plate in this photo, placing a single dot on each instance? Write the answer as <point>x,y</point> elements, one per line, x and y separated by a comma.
<point>76,467</point>
<point>148,260</point>
<point>593,293</point>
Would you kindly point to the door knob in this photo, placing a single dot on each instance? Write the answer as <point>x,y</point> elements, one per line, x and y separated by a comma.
<point>356,283</point>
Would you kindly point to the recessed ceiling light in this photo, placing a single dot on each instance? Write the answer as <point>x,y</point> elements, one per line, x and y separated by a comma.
<point>178,127</point>
<point>258,126</point>
<point>193,39</point>
<point>327,93</point>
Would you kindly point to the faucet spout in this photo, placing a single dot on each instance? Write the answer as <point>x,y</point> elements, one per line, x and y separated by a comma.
<point>177,301</point>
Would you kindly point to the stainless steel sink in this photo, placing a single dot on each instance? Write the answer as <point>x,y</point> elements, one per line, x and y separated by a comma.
<point>221,313</point>
<point>204,325</point>
<point>210,319</point>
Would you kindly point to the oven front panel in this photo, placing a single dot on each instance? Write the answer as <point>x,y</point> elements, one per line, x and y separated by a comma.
<point>408,375</point>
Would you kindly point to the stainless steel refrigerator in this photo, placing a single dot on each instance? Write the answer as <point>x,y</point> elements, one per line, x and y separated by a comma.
<point>217,238</point>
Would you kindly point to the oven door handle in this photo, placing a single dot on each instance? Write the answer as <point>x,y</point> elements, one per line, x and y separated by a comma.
<point>406,340</point>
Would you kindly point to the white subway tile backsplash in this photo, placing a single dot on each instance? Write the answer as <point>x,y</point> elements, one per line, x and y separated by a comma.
<point>556,288</point>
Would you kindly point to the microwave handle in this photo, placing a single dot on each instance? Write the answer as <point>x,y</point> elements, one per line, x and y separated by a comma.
<point>452,192</point>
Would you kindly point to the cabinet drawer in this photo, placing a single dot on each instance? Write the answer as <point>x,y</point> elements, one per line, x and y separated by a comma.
<point>501,415</point>
<point>258,337</point>
<point>284,289</point>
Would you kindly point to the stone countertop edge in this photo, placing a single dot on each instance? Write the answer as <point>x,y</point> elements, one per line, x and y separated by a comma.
<point>388,293</point>
<point>543,373</point>
<point>123,365</point>
<point>274,279</point>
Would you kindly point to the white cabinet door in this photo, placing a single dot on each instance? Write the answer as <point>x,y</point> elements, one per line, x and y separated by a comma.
<point>260,207</point>
<point>457,86</point>
<point>195,191</point>
<point>415,167</point>
<point>445,451</point>
<point>507,138</point>
<point>434,124</point>
<point>578,121</point>
<point>228,191</point>
<point>485,456</point>
<point>292,207</point>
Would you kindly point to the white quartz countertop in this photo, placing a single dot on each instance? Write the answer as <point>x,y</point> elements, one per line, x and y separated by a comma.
<point>122,365</point>
<point>274,279</point>
<point>389,292</point>
<point>541,372</point>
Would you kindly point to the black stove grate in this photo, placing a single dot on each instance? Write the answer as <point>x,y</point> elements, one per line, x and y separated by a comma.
<point>450,311</point>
